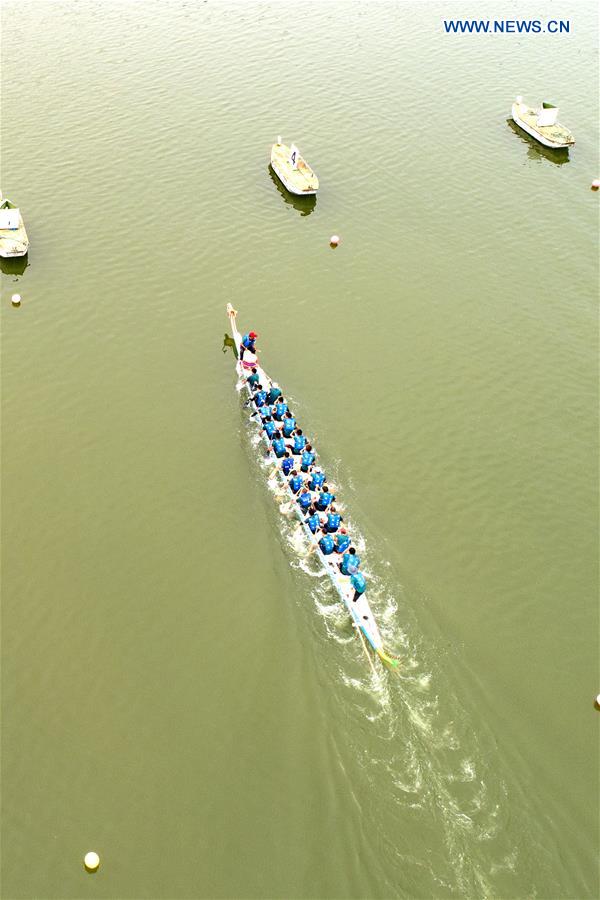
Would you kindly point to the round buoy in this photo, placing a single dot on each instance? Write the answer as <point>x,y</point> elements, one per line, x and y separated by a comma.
<point>595,184</point>
<point>334,240</point>
<point>16,299</point>
<point>597,702</point>
<point>91,861</point>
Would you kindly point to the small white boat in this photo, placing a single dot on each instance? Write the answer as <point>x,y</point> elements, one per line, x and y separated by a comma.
<point>13,237</point>
<point>542,124</point>
<point>293,170</point>
<point>358,606</point>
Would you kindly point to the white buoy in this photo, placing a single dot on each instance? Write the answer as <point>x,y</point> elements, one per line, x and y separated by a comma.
<point>91,861</point>
<point>595,184</point>
<point>334,240</point>
<point>597,702</point>
<point>16,299</point>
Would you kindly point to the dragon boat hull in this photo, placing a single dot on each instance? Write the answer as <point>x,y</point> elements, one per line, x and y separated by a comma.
<point>358,609</point>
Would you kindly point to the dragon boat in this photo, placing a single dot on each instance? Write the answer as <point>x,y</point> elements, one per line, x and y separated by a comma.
<point>359,610</point>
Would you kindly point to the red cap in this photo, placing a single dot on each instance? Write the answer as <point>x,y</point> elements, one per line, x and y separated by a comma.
<point>253,335</point>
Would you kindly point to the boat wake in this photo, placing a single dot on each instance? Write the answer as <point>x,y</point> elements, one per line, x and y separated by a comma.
<point>422,750</point>
<point>433,763</point>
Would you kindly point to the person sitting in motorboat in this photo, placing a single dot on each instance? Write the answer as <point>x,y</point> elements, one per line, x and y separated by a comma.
<point>333,520</point>
<point>350,562</point>
<point>359,583</point>
<point>253,380</point>
<point>327,544</point>
<point>295,482</point>
<point>279,447</point>
<point>342,541</point>
<point>307,459</point>
<point>324,498</point>
<point>299,442</point>
<point>280,409</point>
<point>289,425</point>
<point>274,393</point>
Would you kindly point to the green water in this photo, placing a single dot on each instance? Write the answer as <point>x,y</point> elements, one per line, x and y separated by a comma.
<point>178,693</point>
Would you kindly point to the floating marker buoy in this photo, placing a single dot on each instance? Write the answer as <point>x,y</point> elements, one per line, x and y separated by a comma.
<point>597,702</point>
<point>595,184</point>
<point>91,861</point>
<point>16,299</point>
<point>334,240</point>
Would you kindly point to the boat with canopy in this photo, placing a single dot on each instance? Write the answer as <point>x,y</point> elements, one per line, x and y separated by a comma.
<point>358,606</point>
<point>13,237</point>
<point>293,170</point>
<point>542,124</point>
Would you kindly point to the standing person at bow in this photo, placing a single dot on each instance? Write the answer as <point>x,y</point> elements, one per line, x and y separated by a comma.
<point>248,350</point>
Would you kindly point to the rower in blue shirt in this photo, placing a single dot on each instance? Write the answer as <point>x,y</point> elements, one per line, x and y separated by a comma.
<point>313,522</point>
<point>327,544</point>
<point>324,498</point>
<point>280,409</point>
<point>295,482</point>
<point>342,541</point>
<point>316,481</point>
<point>273,394</point>
<point>305,499</point>
<point>253,379</point>
<point>264,412</point>
<point>333,521</point>
<point>279,447</point>
<point>260,397</point>
<point>270,428</point>
<point>299,442</point>
<point>350,562</point>
<point>287,464</point>
<point>289,424</point>
<point>307,459</point>
<point>359,583</point>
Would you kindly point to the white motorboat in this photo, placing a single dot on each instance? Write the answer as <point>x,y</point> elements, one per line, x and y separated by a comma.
<point>293,170</point>
<point>13,237</point>
<point>542,124</point>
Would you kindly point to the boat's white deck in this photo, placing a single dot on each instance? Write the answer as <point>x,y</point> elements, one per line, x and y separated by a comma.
<point>555,134</point>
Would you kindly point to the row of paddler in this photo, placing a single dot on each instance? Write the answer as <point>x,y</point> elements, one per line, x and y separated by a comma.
<point>306,480</point>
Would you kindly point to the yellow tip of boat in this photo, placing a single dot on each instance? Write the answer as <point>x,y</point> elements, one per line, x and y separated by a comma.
<point>387,659</point>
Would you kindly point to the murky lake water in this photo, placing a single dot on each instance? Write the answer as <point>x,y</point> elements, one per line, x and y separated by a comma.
<point>178,693</point>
